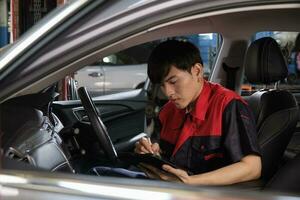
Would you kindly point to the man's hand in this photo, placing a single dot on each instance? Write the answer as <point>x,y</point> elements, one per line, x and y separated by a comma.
<point>179,173</point>
<point>167,174</point>
<point>145,145</point>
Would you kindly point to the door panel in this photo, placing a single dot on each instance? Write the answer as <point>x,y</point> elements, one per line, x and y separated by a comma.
<point>123,117</point>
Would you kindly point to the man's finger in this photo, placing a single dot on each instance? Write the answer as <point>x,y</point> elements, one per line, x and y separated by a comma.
<point>146,144</point>
<point>144,150</point>
<point>170,169</point>
<point>155,148</point>
<point>138,150</point>
<point>180,174</point>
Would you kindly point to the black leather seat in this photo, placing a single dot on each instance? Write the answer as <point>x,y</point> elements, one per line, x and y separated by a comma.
<point>275,110</point>
<point>287,179</point>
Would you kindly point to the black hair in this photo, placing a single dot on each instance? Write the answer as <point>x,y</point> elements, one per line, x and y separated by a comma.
<point>182,55</point>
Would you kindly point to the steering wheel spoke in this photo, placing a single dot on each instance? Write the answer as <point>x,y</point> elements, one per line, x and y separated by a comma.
<point>97,124</point>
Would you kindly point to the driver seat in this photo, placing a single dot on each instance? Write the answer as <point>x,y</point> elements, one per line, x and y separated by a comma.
<point>275,110</point>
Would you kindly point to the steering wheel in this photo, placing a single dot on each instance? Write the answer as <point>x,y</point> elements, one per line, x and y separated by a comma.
<point>97,124</point>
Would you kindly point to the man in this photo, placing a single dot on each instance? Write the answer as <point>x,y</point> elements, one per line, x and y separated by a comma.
<point>206,130</point>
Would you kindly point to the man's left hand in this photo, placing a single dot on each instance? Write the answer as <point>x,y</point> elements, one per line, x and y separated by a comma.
<point>167,174</point>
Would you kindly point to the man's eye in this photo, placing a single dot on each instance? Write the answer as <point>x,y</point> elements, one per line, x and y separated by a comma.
<point>173,81</point>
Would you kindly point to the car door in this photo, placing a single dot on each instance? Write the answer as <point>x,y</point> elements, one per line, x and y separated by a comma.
<point>133,77</point>
<point>123,115</point>
<point>117,85</point>
<point>92,76</point>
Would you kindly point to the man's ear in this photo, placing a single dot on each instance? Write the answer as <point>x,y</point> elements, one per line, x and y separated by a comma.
<point>198,70</point>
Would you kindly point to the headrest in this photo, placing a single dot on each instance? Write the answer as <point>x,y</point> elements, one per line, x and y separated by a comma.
<point>264,62</point>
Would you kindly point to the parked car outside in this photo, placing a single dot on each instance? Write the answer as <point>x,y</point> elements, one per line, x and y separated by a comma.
<point>102,78</point>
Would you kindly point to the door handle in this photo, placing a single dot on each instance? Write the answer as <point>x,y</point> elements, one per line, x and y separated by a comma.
<point>95,74</point>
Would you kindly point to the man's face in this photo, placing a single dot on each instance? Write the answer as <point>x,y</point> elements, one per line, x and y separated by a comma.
<point>182,87</point>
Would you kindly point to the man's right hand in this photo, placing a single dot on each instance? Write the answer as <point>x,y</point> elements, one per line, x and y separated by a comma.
<point>144,145</point>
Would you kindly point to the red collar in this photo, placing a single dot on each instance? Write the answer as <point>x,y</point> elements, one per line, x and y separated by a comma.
<point>202,102</point>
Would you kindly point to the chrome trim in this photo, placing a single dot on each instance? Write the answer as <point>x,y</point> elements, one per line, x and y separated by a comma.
<point>76,110</point>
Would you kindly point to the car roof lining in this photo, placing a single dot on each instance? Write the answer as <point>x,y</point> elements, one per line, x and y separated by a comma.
<point>248,21</point>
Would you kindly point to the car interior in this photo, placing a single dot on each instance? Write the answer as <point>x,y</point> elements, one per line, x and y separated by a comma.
<point>77,135</point>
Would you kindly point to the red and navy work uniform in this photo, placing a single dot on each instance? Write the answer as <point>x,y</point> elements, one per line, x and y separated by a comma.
<point>219,131</point>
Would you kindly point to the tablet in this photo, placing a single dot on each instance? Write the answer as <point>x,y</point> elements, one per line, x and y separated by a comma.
<point>150,159</point>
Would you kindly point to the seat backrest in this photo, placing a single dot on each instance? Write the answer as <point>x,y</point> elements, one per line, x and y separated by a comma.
<point>275,110</point>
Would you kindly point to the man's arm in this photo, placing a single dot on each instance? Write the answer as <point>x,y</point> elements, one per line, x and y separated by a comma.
<point>249,168</point>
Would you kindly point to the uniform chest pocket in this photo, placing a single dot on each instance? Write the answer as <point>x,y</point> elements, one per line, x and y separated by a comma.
<point>204,150</point>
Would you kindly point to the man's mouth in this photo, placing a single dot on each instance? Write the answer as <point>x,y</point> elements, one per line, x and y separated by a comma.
<point>175,100</point>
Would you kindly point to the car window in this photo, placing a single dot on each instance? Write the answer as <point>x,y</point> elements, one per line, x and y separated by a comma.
<point>289,44</point>
<point>127,70</point>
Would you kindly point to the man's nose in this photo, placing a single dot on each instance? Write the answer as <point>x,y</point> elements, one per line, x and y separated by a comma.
<point>169,91</point>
